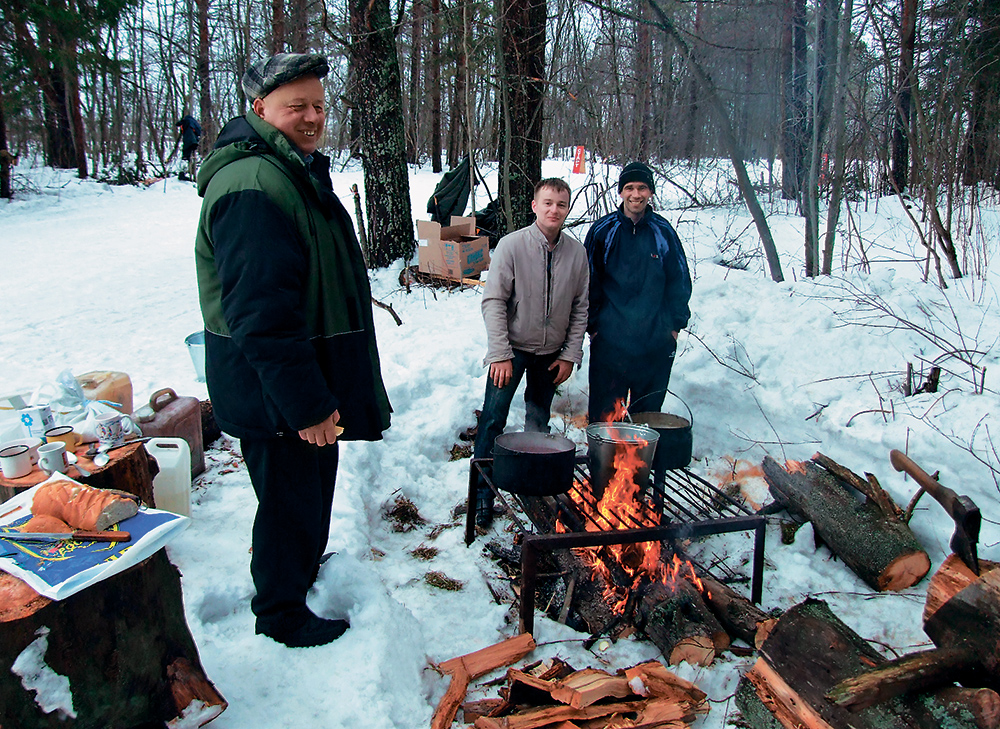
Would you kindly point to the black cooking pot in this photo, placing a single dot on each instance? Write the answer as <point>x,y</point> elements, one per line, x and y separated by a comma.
<point>676,442</point>
<point>533,464</point>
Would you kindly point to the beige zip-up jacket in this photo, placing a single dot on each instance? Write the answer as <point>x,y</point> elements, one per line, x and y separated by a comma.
<point>536,300</point>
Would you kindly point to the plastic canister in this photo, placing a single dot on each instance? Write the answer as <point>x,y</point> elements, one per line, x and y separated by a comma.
<point>170,416</point>
<point>112,387</point>
<point>172,485</point>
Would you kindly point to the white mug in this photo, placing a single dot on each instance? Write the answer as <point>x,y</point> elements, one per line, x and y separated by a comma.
<point>15,461</point>
<point>52,457</point>
<point>110,430</point>
<point>35,420</point>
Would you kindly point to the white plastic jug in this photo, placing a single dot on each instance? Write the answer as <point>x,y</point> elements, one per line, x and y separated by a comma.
<point>172,485</point>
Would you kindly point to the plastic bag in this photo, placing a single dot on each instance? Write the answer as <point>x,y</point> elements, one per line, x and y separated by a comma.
<point>71,407</point>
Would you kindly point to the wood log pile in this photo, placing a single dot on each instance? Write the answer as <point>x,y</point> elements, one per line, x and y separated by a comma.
<point>814,672</point>
<point>555,695</point>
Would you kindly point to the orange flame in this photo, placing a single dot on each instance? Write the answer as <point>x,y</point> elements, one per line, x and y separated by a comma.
<point>620,410</point>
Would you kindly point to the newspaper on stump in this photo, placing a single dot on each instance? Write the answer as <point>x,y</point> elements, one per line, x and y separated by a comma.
<point>61,568</point>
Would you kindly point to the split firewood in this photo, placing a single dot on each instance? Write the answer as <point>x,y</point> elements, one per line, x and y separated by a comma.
<point>471,666</point>
<point>962,617</point>
<point>869,485</point>
<point>653,679</point>
<point>677,620</point>
<point>888,558</point>
<point>808,652</point>
<point>589,686</point>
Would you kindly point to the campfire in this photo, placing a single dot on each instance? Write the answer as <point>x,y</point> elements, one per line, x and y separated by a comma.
<point>618,552</point>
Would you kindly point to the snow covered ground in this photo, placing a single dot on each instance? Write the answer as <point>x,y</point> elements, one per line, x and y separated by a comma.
<point>96,277</point>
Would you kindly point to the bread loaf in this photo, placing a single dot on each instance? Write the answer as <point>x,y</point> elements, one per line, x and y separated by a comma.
<point>46,524</point>
<point>83,507</point>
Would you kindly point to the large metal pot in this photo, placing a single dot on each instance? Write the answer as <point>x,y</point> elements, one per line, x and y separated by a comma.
<point>604,440</point>
<point>534,464</point>
<point>674,447</point>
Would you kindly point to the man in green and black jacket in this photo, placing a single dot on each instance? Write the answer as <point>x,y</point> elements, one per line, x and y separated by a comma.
<point>291,361</point>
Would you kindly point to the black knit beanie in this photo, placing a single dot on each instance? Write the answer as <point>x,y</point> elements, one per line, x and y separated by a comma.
<point>636,172</point>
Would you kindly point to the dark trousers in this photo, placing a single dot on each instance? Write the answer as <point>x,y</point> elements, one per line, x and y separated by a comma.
<point>538,393</point>
<point>294,482</point>
<point>613,375</point>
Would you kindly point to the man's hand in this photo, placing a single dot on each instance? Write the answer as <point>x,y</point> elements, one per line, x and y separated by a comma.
<point>676,334</point>
<point>501,372</point>
<point>322,434</point>
<point>563,368</point>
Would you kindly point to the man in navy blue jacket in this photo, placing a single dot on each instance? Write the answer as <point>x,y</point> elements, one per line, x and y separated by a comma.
<point>639,292</point>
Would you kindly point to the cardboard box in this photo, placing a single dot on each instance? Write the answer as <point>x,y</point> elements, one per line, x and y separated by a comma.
<point>455,251</point>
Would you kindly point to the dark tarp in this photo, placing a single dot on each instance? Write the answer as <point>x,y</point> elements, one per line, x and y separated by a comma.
<point>451,194</point>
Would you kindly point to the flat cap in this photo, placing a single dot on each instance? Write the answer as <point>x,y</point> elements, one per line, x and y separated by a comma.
<point>263,77</point>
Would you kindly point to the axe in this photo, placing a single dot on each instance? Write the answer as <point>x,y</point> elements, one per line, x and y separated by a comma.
<point>960,508</point>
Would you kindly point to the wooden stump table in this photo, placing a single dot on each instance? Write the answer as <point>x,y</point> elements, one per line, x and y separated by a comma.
<point>123,644</point>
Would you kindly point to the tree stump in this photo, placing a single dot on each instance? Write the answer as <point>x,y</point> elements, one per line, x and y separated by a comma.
<point>130,469</point>
<point>888,558</point>
<point>808,652</point>
<point>123,644</point>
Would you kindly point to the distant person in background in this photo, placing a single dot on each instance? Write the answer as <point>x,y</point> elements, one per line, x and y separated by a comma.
<point>535,309</point>
<point>190,133</point>
<point>290,353</point>
<point>639,293</point>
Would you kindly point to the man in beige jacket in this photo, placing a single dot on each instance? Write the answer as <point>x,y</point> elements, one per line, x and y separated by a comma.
<point>535,308</point>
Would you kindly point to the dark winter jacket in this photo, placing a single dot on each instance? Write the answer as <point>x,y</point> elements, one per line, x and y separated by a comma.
<point>284,292</point>
<point>639,283</point>
<point>190,130</point>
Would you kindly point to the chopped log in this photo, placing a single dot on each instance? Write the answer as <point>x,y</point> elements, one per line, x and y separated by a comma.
<point>970,621</point>
<point>888,558</point>
<point>738,615</point>
<point>951,577</point>
<point>123,644</point>
<point>589,686</point>
<point>677,621</point>
<point>961,608</point>
<point>807,653</point>
<point>473,665</point>
<point>869,485</point>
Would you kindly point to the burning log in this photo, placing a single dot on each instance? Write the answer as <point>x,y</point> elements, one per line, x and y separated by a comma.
<point>122,643</point>
<point>675,617</point>
<point>961,609</point>
<point>888,558</point>
<point>809,651</point>
<point>740,617</point>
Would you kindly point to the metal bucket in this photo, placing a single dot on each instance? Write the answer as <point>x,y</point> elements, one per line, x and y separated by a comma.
<point>196,348</point>
<point>604,439</point>
<point>676,441</point>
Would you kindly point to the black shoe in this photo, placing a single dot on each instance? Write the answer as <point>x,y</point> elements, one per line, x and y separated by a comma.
<point>484,509</point>
<point>313,632</point>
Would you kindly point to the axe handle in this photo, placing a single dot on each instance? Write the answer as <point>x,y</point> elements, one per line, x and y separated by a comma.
<point>944,495</point>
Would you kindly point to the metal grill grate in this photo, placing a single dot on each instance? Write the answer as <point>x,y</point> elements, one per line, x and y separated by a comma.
<point>677,504</point>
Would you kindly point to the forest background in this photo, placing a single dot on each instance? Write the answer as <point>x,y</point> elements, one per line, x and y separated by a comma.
<point>839,99</point>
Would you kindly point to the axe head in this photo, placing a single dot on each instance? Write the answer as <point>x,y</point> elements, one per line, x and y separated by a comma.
<point>966,536</point>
